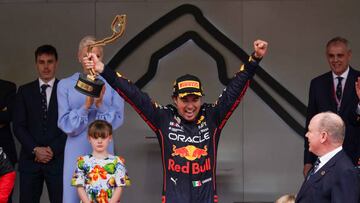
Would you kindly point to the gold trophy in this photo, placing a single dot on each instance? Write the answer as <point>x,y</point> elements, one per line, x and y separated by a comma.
<point>88,84</point>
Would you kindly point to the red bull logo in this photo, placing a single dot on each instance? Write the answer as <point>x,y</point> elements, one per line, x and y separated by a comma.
<point>189,152</point>
<point>196,168</point>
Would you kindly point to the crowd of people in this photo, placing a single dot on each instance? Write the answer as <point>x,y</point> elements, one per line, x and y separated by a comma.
<point>66,136</point>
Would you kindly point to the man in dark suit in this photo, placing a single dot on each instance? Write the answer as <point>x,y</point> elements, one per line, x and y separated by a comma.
<point>35,126</point>
<point>7,99</point>
<point>334,177</point>
<point>335,91</point>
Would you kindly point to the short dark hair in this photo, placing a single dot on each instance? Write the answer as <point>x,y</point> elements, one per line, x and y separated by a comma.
<point>338,39</point>
<point>46,49</point>
<point>99,128</point>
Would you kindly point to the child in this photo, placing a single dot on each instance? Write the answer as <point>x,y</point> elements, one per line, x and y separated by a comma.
<point>100,176</point>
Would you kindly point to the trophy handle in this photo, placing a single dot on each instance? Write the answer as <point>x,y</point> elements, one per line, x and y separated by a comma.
<point>118,27</point>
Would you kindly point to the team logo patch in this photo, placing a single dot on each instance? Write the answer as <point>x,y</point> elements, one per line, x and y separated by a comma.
<point>198,183</point>
<point>189,152</point>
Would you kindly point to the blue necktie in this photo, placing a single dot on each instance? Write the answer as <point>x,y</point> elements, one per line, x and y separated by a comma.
<point>313,170</point>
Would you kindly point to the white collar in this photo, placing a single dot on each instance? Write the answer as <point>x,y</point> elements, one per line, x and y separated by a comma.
<point>325,158</point>
<point>50,83</point>
<point>344,75</point>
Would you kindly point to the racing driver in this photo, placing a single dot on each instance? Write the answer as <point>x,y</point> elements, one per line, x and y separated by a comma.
<point>188,131</point>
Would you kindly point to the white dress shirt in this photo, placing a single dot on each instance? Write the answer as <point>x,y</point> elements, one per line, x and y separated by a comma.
<point>325,158</point>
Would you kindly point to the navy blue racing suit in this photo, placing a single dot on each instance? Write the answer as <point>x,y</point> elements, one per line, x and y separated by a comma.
<point>188,149</point>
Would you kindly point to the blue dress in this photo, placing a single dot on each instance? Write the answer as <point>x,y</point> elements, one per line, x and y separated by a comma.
<point>74,120</point>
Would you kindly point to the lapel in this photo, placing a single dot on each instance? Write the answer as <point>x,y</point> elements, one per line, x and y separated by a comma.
<point>52,109</point>
<point>320,173</point>
<point>35,97</point>
<point>330,91</point>
<point>349,89</point>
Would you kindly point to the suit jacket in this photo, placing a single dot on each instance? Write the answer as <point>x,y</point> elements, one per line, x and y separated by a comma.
<point>28,127</point>
<point>336,182</point>
<point>322,98</point>
<point>7,99</point>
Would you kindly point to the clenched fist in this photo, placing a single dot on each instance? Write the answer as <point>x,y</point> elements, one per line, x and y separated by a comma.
<point>260,48</point>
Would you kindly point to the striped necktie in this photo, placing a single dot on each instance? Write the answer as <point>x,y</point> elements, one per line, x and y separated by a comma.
<point>313,170</point>
<point>44,107</point>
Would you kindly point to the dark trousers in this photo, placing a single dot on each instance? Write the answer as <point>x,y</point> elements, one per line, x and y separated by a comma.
<point>31,186</point>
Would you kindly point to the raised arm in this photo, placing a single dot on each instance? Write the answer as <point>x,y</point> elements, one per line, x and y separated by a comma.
<point>355,117</point>
<point>139,100</point>
<point>233,93</point>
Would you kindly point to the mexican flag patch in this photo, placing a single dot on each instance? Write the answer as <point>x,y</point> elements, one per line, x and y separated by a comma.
<point>196,183</point>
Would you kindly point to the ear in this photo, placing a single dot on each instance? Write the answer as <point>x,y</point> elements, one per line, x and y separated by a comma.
<point>79,56</point>
<point>350,53</point>
<point>324,136</point>
<point>174,98</point>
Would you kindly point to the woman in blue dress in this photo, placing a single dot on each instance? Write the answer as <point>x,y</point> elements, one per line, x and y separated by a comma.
<point>77,111</point>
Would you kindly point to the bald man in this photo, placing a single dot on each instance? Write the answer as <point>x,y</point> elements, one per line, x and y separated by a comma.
<point>334,177</point>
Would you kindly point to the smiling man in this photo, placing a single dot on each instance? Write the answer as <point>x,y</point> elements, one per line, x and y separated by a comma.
<point>335,91</point>
<point>188,131</point>
<point>187,94</point>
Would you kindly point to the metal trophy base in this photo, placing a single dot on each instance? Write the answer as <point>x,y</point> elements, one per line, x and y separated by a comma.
<point>89,87</point>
